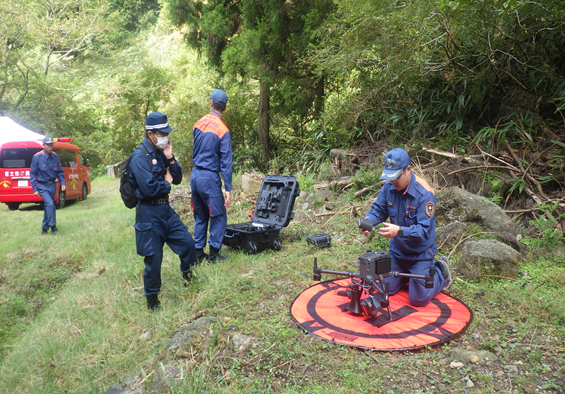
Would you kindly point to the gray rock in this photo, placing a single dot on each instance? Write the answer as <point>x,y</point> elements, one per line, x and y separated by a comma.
<point>166,377</point>
<point>450,234</point>
<point>242,342</point>
<point>512,369</point>
<point>488,257</point>
<point>146,336</point>
<point>186,333</point>
<point>455,204</point>
<point>303,196</point>
<point>249,184</point>
<point>135,385</point>
<point>559,252</point>
<point>323,194</point>
<point>468,356</point>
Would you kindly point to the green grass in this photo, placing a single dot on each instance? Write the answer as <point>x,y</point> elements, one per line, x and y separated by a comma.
<point>72,311</point>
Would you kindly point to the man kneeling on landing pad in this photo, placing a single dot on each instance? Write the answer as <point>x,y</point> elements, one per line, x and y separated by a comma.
<point>409,202</point>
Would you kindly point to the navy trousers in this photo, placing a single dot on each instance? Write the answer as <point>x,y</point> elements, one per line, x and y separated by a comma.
<point>208,206</point>
<point>154,226</point>
<point>417,292</point>
<point>47,194</point>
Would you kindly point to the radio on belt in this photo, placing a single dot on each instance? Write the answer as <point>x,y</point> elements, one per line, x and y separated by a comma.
<point>320,240</point>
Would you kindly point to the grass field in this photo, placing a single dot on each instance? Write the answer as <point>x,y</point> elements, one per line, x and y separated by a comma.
<point>72,313</point>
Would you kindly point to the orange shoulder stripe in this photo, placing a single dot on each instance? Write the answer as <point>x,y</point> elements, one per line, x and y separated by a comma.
<point>426,185</point>
<point>212,124</point>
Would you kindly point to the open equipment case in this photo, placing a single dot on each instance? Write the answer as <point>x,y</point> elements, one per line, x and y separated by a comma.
<point>273,211</point>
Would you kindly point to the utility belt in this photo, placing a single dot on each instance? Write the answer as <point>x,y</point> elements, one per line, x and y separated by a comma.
<point>155,201</point>
<point>46,183</point>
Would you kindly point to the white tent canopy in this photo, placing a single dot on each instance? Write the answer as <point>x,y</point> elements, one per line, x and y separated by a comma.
<point>11,131</point>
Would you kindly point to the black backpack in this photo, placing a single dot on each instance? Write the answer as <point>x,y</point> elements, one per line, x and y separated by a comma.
<point>126,190</point>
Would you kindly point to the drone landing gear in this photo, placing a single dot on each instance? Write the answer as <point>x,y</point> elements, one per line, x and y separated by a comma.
<point>370,306</point>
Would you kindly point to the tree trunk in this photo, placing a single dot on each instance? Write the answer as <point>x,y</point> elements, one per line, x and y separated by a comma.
<point>319,99</point>
<point>264,120</point>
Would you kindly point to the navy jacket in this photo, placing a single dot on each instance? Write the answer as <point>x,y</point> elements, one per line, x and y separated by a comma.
<point>414,210</point>
<point>212,147</point>
<point>45,168</point>
<point>149,181</point>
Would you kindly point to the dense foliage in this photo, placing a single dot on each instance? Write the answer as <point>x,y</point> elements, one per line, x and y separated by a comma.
<point>302,76</point>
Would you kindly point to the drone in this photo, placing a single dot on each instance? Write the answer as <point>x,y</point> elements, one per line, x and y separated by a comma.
<point>374,268</point>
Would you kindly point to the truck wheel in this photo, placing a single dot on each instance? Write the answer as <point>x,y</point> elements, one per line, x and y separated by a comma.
<point>277,245</point>
<point>62,200</point>
<point>13,206</point>
<point>84,191</point>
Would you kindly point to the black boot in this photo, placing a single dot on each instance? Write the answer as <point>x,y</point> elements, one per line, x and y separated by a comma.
<point>54,230</point>
<point>153,302</point>
<point>200,255</point>
<point>187,276</point>
<point>215,257</point>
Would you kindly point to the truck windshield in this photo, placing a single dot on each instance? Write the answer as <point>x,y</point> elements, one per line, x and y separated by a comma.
<point>17,157</point>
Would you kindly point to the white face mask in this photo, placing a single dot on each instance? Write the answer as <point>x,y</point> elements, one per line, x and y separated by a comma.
<point>161,142</point>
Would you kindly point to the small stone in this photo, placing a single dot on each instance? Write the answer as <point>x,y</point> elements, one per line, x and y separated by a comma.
<point>512,369</point>
<point>422,363</point>
<point>146,336</point>
<point>443,361</point>
<point>499,374</point>
<point>473,359</point>
<point>469,383</point>
<point>456,364</point>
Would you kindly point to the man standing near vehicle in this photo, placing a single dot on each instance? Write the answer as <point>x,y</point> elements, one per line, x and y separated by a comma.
<point>153,169</point>
<point>409,202</point>
<point>211,155</point>
<point>45,169</point>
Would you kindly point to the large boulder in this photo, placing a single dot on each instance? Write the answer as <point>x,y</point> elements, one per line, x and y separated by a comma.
<point>250,183</point>
<point>135,385</point>
<point>488,257</point>
<point>198,329</point>
<point>456,204</point>
<point>450,234</point>
<point>166,378</point>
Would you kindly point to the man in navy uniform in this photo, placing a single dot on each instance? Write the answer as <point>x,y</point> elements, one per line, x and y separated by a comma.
<point>153,169</point>
<point>211,155</point>
<point>409,202</point>
<point>45,169</point>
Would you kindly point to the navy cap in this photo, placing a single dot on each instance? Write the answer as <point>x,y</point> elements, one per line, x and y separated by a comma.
<point>157,121</point>
<point>395,161</point>
<point>218,96</point>
<point>47,140</point>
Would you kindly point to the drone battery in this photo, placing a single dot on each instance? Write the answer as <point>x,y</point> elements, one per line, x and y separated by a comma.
<point>320,240</point>
<point>273,211</point>
<point>374,263</point>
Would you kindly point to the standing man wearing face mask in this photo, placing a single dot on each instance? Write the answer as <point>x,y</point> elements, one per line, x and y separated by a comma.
<point>155,221</point>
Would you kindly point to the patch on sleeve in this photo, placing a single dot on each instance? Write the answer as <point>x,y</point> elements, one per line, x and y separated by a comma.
<point>430,209</point>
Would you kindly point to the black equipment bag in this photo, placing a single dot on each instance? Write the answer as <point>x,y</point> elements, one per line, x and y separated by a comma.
<point>126,189</point>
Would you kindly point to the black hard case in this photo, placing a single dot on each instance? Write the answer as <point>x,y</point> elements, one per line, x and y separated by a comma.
<point>273,211</point>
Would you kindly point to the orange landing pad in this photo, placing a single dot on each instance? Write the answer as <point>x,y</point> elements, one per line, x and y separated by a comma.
<point>320,310</point>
